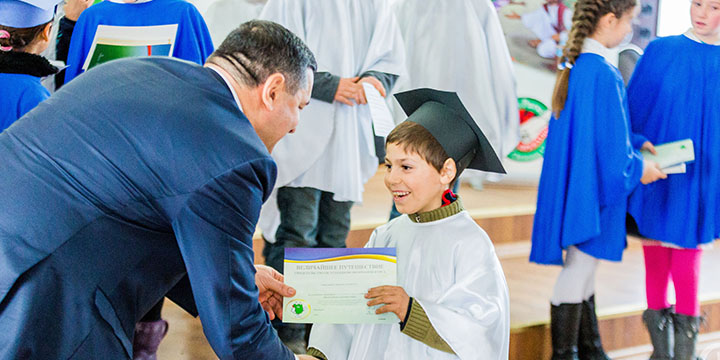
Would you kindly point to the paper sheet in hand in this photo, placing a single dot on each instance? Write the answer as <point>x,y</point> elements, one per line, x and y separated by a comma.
<point>381,117</point>
<point>115,42</point>
<point>331,284</point>
<point>672,153</point>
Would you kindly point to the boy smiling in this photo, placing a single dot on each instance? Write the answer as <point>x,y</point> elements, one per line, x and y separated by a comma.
<point>452,299</point>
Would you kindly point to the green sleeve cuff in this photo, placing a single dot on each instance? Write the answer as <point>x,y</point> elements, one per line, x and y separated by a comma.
<point>419,327</point>
<point>316,353</point>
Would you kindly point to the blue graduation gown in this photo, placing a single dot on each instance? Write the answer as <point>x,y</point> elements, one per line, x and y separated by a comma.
<point>192,43</point>
<point>19,94</point>
<point>674,94</point>
<point>122,196</point>
<point>589,170</point>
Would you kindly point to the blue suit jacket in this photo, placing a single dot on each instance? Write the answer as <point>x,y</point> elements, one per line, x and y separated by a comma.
<point>140,178</point>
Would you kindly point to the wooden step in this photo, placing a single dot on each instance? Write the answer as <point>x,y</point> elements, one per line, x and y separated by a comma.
<point>623,335</point>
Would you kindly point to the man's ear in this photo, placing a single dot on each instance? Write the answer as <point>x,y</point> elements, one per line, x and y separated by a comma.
<point>448,171</point>
<point>273,86</point>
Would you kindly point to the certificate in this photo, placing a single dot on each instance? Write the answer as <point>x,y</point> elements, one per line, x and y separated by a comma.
<point>672,154</point>
<point>331,284</point>
<point>115,42</point>
<point>382,119</point>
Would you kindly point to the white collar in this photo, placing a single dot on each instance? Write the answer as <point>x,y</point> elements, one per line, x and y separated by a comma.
<point>227,82</point>
<point>690,34</point>
<point>593,46</point>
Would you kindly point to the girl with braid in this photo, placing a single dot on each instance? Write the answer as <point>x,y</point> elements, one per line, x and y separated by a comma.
<point>24,34</point>
<point>673,95</point>
<point>591,166</point>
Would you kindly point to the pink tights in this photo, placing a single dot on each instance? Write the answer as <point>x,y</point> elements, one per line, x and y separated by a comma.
<point>683,266</point>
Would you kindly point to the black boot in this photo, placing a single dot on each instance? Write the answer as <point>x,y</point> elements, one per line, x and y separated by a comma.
<point>564,329</point>
<point>589,345</point>
<point>659,325</point>
<point>686,331</point>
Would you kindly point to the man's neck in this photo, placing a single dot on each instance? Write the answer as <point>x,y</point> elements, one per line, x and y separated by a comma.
<point>244,99</point>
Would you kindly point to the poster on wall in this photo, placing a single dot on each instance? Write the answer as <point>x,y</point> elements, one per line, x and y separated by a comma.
<point>536,30</point>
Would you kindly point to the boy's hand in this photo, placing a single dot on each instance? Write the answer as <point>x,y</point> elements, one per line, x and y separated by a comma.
<point>651,172</point>
<point>348,90</point>
<point>306,357</point>
<point>394,297</point>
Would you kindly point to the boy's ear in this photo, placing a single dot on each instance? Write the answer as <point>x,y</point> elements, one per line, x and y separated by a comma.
<point>448,172</point>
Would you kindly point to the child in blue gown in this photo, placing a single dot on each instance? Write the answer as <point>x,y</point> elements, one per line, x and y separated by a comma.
<point>674,94</point>
<point>24,34</point>
<point>591,166</point>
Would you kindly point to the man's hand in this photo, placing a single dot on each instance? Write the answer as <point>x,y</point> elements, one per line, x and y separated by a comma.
<point>649,147</point>
<point>394,297</point>
<point>374,82</point>
<point>272,289</point>
<point>349,90</point>
<point>73,8</point>
<point>306,357</point>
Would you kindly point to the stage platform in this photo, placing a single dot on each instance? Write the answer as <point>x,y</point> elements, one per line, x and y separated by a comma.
<point>506,214</point>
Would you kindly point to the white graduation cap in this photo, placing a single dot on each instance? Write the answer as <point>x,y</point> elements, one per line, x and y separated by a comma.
<point>26,13</point>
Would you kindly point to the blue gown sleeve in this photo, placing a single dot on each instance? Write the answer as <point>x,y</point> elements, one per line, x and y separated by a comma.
<point>193,41</point>
<point>642,89</point>
<point>620,166</point>
<point>31,98</point>
<point>214,231</point>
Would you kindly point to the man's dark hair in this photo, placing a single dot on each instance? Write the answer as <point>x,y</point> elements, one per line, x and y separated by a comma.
<point>258,49</point>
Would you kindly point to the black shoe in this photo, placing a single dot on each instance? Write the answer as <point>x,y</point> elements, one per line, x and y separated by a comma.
<point>686,330</point>
<point>589,344</point>
<point>564,329</point>
<point>660,326</point>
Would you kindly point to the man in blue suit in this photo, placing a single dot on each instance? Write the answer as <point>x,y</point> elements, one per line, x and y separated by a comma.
<point>142,178</point>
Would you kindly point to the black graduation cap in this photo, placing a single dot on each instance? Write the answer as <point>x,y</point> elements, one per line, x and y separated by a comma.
<point>445,117</point>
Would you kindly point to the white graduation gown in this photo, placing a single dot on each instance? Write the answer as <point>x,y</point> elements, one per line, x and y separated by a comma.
<point>458,45</point>
<point>224,16</point>
<point>333,147</point>
<point>449,266</point>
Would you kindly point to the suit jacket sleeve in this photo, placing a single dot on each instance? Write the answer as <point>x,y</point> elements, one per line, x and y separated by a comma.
<point>214,231</point>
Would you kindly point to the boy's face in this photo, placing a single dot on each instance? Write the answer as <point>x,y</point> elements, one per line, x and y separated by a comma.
<point>416,185</point>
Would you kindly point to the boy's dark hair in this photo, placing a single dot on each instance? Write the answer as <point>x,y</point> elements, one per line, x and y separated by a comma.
<point>21,37</point>
<point>414,138</point>
<point>585,18</point>
<point>258,49</point>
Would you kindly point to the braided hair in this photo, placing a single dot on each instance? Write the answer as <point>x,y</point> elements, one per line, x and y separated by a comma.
<point>585,18</point>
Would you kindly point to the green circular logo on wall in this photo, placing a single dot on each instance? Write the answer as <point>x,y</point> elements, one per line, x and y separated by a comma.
<point>533,130</point>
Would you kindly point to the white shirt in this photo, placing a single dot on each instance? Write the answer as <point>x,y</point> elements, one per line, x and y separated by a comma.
<point>227,82</point>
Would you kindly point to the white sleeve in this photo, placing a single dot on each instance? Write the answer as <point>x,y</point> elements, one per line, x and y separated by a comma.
<point>333,340</point>
<point>473,315</point>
